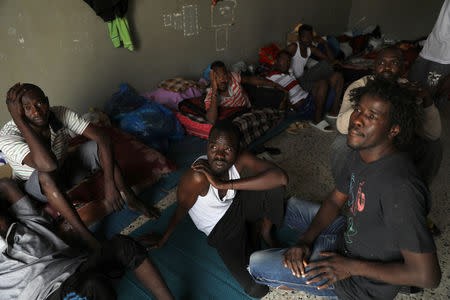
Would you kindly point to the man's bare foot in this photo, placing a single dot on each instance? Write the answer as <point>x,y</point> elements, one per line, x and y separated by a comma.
<point>134,203</point>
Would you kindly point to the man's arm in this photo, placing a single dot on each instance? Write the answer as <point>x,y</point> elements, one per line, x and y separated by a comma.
<point>212,111</point>
<point>260,81</point>
<point>292,48</point>
<point>432,127</point>
<point>346,109</point>
<point>192,184</point>
<point>40,156</point>
<point>296,258</point>
<point>316,51</point>
<point>417,269</point>
<point>106,158</point>
<point>266,175</point>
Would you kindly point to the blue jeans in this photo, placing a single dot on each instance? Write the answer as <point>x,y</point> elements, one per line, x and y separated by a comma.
<point>267,267</point>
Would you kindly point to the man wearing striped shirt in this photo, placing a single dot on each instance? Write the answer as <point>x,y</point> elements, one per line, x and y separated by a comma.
<point>35,144</point>
<point>226,90</point>
<point>308,105</point>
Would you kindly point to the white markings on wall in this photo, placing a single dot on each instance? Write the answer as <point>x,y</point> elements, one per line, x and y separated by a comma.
<point>190,20</point>
<point>167,20</point>
<point>186,20</point>
<point>12,31</point>
<point>21,40</point>
<point>221,38</point>
<point>223,13</point>
<point>3,56</point>
<point>222,17</point>
<point>177,21</point>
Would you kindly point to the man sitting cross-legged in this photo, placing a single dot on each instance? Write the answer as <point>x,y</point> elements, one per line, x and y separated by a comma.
<point>221,203</point>
<point>309,105</point>
<point>36,264</point>
<point>35,143</point>
<point>384,242</point>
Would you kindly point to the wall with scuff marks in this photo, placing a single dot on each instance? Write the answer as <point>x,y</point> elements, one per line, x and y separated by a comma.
<point>64,47</point>
<point>398,19</point>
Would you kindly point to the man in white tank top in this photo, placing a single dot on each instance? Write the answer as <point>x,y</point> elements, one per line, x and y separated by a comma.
<point>321,81</point>
<point>222,204</point>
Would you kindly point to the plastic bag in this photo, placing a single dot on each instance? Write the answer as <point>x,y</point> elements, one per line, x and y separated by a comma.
<point>153,124</point>
<point>123,102</point>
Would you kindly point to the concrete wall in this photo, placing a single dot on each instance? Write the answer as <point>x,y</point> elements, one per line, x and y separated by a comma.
<point>64,47</point>
<point>398,19</point>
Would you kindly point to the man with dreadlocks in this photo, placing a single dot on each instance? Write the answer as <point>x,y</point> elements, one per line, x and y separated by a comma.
<point>384,242</point>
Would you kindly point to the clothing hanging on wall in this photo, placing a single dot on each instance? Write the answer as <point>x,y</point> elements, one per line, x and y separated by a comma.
<point>113,13</point>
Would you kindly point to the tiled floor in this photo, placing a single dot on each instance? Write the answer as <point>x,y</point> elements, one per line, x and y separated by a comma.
<point>305,157</point>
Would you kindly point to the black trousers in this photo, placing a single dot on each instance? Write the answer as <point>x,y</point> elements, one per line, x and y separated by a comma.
<point>93,279</point>
<point>230,235</point>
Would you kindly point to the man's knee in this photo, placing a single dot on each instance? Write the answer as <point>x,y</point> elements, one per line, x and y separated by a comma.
<point>8,188</point>
<point>129,253</point>
<point>46,179</point>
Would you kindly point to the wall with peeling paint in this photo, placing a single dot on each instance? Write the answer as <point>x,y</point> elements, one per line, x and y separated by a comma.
<point>65,48</point>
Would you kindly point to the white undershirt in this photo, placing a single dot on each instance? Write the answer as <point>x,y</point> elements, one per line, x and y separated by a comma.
<point>209,209</point>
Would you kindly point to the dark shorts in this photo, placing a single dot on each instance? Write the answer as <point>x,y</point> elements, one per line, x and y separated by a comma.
<point>428,73</point>
<point>94,278</point>
<point>231,239</point>
<point>78,165</point>
<point>321,70</point>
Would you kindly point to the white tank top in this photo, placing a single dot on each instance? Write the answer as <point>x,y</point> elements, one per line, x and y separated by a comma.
<point>209,209</point>
<point>298,62</point>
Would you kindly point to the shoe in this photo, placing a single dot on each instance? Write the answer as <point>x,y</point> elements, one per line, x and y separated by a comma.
<point>321,126</point>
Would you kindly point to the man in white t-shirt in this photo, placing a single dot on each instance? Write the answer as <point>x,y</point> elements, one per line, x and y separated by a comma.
<point>220,202</point>
<point>35,144</point>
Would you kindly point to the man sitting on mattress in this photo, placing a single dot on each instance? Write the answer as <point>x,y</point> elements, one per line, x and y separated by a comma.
<point>35,143</point>
<point>226,90</point>
<point>36,264</point>
<point>308,105</point>
<point>221,203</point>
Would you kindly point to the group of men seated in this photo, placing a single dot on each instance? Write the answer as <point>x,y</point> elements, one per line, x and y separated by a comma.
<point>382,244</point>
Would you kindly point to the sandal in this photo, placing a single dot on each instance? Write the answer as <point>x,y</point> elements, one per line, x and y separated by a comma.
<point>322,125</point>
<point>296,127</point>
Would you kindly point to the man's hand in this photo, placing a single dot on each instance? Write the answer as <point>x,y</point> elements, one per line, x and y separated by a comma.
<point>14,101</point>
<point>151,240</point>
<point>319,39</point>
<point>425,95</point>
<point>202,166</point>
<point>332,269</point>
<point>113,197</point>
<point>212,77</point>
<point>296,258</point>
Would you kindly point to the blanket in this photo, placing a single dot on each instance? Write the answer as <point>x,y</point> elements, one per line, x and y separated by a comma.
<point>252,123</point>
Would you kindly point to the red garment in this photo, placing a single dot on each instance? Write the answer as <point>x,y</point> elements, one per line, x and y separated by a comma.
<point>238,97</point>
